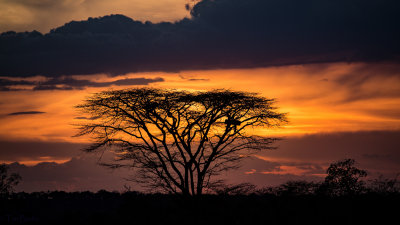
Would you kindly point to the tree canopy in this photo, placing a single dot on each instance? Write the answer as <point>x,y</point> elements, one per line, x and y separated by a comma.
<point>178,140</point>
<point>343,178</point>
<point>7,180</point>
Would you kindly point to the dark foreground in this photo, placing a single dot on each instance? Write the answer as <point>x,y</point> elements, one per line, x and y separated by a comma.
<point>135,208</point>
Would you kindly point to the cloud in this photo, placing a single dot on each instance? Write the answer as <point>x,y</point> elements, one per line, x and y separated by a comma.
<point>84,173</point>
<point>25,113</point>
<point>297,158</point>
<point>358,83</point>
<point>69,83</point>
<point>193,79</point>
<point>376,151</point>
<point>77,174</point>
<point>259,166</point>
<point>271,173</point>
<point>220,34</point>
<point>307,157</point>
<point>44,15</point>
<point>11,89</point>
<point>12,151</point>
<point>86,118</point>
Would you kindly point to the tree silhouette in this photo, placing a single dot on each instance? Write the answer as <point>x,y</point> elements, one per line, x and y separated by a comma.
<point>178,140</point>
<point>7,181</point>
<point>344,178</point>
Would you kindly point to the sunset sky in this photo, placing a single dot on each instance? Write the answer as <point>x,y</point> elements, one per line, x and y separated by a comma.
<point>332,66</point>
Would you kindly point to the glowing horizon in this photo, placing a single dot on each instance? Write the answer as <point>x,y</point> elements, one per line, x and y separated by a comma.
<point>315,103</point>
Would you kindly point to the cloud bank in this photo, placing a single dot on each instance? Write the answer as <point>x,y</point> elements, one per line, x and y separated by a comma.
<point>43,15</point>
<point>20,151</point>
<point>301,158</point>
<point>77,174</point>
<point>220,34</point>
<point>69,83</point>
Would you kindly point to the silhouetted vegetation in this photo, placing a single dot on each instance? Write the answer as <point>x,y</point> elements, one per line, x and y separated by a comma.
<point>344,178</point>
<point>7,181</point>
<point>384,185</point>
<point>294,202</point>
<point>292,188</point>
<point>178,141</point>
<point>137,208</point>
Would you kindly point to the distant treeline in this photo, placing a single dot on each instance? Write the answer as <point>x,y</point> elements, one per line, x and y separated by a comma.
<point>342,198</point>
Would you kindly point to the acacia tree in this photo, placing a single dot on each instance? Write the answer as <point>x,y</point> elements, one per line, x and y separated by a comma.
<point>178,140</point>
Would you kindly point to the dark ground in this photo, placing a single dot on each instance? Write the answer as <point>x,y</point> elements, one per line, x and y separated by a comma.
<point>135,208</point>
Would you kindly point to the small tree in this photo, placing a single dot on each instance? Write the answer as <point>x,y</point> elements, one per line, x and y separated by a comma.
<point>178,140</point>
<point>7,181</point>
<point>344,178</point>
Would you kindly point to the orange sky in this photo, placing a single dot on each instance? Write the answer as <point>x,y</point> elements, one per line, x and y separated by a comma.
<point>43,15</point>
<point>335,110</point>
<point>320,99</point>
<point>317,98</point>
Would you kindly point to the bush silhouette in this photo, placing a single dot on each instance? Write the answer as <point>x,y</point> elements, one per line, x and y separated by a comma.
<point>343,178</point>
<point>7,181</point>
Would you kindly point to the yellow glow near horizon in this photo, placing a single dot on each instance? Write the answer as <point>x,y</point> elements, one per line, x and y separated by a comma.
<point>314,97</point>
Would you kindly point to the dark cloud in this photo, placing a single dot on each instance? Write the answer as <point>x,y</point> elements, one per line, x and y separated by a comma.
<point>220,34</point>
<point>77,174</point>
<point>256,165</point>
<point>311,154</point>
<point>84,173</point>
<point>200,79</point>
<point>25,113</point>
<point>11,89</point>
<point>131,81</point>
<point>329,147</point>
<point>375,151</point>
<point>356,81</point>
<point>80,173</point>
<point>268,173</point>
<point>7,82</point>
<point>68,83</point>
<point>36,150</point>
<point>86,118</point>
<point>260,167</point>
<point>193,79</point>
<point>51,87</point>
